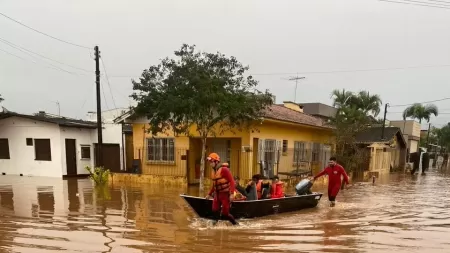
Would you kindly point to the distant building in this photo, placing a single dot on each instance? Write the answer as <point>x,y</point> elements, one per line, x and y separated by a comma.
<point>411,132</point>
<point>320,110</point>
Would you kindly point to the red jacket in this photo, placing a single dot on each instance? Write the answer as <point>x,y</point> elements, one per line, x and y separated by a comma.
<point>334,178</point>
<point>226,174</point>
<point>276,191</point>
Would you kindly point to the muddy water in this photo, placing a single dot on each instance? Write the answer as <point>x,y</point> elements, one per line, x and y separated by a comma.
<point>400,213</point>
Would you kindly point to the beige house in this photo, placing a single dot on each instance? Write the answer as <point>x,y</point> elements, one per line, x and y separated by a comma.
<point>411,133</point>
<point>386,153</point>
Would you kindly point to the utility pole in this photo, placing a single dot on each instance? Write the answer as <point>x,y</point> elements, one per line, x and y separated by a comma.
<point>296,78</point>
<point>428,134</point>
<point>384,121</point>
<point>99,108</point>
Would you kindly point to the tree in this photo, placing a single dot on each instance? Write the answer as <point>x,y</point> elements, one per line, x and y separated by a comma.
<point>205,92</point>
<point>356,111</point>
<point>420,112</point>
<point>1,98</point>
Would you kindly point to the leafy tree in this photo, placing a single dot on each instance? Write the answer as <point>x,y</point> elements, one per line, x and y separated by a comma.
<point>420,112</point>
<point>356,112</point>
<point>208,92</point>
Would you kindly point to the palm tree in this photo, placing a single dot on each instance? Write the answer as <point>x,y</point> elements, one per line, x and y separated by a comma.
<point>420,112</point>
<point>341,98</point>
<point>368,103</point>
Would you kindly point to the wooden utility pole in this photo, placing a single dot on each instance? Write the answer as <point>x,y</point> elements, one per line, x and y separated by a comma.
<point>384,121</point>
<point>428,135</point>
<point>99,108</point>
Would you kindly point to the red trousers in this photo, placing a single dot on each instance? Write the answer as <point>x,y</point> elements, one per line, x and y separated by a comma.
<point>222,199</point>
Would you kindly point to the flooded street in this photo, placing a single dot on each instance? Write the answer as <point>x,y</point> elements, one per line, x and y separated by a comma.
<point>400,213</point>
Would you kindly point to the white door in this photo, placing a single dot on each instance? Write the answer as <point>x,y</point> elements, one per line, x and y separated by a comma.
<point>220,146</point>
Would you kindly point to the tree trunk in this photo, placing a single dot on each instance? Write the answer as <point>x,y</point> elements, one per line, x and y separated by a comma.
<point>202,166</point>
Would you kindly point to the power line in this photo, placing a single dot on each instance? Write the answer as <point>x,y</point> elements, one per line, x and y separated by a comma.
<point>45,34</point>
<point>321,72</point>
<point>51,65</point>
<point>109,84</point>
<point>418,3</point>
<point>440,113</point>
<point>424,102</point>
<point>42,56</point>
<point>6,52</point>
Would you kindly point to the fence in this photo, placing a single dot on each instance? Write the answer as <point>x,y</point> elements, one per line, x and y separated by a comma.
<point>184,162</point>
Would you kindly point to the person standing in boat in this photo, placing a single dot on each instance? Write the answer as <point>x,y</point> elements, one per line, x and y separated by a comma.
<point>223,187</point>
<point>334,172</point>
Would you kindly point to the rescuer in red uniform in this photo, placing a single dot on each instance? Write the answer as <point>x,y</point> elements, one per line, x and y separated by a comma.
<point>334,172</point>
<point>223,187</point>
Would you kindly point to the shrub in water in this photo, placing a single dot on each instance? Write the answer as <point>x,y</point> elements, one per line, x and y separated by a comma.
<point>99,175</point>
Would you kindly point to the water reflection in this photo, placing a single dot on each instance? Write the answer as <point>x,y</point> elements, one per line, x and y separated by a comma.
<point>401,213</point>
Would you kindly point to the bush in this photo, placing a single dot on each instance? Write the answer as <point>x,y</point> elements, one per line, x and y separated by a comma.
<point>99,175</point>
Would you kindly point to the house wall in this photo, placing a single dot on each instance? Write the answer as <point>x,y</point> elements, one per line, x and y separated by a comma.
<point>409,127</point>
<point>241,163</point>
<point>112,133</point>
<point>82,136</point>
<point>22,157</point>
<point>292,133</point>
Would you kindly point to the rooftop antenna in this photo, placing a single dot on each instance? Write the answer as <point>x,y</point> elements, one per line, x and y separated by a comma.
<point>295,78</point>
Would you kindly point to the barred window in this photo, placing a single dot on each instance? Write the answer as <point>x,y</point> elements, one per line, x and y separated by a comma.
<point>299,152</point>
<point>161,149</point>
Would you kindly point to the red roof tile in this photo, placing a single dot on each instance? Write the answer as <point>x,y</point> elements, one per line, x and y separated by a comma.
<point>280,112</point>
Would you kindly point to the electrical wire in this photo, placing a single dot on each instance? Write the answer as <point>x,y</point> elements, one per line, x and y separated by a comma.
<point>424,4</point>
<point>6,52</point>
<point>109,84</point>
<point>51,65</point>
<point>43,56</point>
<point>424,102</point>
<point>45,34</point>
<point>323,72</point>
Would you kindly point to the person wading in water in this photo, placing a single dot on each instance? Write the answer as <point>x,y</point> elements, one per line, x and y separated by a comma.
<point>223,186</point>
<point>334,172</point>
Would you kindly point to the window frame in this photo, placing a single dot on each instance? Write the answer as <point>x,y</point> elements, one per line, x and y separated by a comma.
<point>36,145</point>
<point>157,155</point>
<point>285,146</point>
<point>81,152</point>
<point>7,155</point>
<point>299,150</point>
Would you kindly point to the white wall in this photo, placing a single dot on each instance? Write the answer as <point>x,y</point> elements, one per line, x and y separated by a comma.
<point>112,133</point>
<point>82,136</point>
<point>22,157</point>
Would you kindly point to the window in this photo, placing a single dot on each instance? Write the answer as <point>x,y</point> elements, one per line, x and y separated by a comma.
<point>315,152</point>
<point>4,149</point>
<point>42,150</point>
<point>285,146</point>
<point>29,141</point>
<point>85,152</point>
<point>161,150</point>
<point>299,152</point>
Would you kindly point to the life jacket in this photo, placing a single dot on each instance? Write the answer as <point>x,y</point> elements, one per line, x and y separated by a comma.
<point>276,190</point>
<point>259,189</point>
<point>220,183</point>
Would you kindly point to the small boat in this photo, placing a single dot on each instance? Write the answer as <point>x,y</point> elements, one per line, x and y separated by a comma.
<point>258,208</point>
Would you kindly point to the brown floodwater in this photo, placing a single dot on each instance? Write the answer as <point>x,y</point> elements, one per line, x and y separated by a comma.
<point>399,213</point>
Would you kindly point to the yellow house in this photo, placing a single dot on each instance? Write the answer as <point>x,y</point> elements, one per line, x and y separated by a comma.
<point>286,141</point>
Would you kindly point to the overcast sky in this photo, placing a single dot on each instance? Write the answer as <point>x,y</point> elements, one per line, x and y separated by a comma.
<point>405,47</point>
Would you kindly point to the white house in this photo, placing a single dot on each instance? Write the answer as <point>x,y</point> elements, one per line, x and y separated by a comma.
<point>112,132</point>
<point>43,145</point>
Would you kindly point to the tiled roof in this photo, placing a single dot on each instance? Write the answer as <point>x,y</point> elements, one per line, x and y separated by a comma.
<point>280,112</point>
<point>62,121</point>
<point>373,134</point>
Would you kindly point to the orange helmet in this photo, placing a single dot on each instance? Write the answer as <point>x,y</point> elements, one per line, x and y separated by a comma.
<point>213,157</point>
